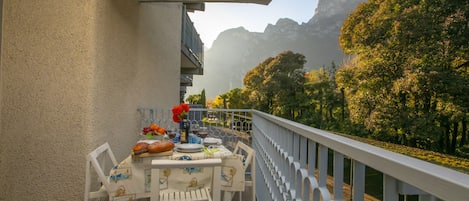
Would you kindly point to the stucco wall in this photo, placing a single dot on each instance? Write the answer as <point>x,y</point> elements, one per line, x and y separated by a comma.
<point>73,74</point>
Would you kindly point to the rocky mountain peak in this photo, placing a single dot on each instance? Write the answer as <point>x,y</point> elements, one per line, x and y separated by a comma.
<point>236,51</point>
<point>283,26</point>
<point>330,8</point>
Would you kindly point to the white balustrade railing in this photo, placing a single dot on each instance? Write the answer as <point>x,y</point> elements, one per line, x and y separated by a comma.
<point>292,164</point>
<point>292,159</point>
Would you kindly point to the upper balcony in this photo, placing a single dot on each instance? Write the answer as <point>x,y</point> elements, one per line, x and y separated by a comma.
<point>192,47</point>
<point>298,162</point>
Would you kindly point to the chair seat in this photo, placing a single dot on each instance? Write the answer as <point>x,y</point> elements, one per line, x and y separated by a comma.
<point>202,194</point>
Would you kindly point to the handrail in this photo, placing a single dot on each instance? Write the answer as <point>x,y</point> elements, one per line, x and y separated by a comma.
<point>436,180</point>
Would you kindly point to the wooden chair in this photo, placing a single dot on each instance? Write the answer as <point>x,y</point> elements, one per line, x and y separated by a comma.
<point>249,167</point>
<point>207,194</point>
<point>92,160</point>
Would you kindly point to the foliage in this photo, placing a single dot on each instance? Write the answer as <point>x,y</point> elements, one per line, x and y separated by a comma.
<point>406,83</point>
<point>194,99</point>
<point>456,163</point>
<point>276,84</point>
<point>197,98</point>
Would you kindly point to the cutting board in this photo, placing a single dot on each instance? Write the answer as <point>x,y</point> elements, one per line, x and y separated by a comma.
<point>144,155</point>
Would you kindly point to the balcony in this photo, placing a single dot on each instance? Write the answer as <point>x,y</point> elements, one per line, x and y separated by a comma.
<point>297,162</point>
<point>192,47</point>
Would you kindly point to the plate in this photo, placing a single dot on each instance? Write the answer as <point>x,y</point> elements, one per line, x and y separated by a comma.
<point>189,147</point>
<point>212,141</point>
<point>188,150</point>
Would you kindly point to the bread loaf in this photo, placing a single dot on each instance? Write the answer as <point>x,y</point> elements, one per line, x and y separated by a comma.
<point>162,146</point>
<point>140,148</point>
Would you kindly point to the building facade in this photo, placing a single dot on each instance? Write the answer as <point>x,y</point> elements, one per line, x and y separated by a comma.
<point>73,74</point>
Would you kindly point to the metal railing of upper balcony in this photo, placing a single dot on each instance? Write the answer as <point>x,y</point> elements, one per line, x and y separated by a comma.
<point>191,43</point>
<point>298,162</point>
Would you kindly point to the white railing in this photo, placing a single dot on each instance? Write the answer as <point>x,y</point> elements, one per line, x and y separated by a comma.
<point>231,125</point>
<point>292,160</point>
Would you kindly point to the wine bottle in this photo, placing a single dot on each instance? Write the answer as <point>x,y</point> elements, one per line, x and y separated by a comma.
<point>184,126</point>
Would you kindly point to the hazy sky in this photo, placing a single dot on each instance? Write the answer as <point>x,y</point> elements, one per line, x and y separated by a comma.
<point>219,17</point>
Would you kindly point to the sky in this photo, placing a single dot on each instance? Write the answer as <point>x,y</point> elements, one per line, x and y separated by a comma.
<point>219,17</point>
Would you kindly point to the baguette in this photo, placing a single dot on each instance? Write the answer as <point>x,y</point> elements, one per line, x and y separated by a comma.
<point>140,148</point>
<point>162,146</point>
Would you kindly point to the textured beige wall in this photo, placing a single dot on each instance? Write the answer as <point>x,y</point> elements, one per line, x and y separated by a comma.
<point>72,75</point>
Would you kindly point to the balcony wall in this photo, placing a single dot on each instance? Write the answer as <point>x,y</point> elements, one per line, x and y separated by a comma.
<point>72,75</point>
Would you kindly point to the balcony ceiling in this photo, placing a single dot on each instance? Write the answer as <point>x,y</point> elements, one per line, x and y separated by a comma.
<point>263,2</point>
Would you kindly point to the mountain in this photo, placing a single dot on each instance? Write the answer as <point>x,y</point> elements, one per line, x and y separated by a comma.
<point>236,51</point>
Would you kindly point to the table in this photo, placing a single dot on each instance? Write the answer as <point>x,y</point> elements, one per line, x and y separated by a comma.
<point>131,177</point>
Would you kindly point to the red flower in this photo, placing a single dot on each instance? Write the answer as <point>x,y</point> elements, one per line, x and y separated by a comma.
<point>185,107</point>
<point>180,112</point>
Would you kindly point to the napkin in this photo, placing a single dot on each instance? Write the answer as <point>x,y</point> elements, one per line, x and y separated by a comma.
<point>194,139</point>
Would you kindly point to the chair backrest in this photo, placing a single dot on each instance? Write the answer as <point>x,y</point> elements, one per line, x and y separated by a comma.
<point>159,164</point>
<point>250,159</point>
<point>92,160</point>
<point>246,151</point>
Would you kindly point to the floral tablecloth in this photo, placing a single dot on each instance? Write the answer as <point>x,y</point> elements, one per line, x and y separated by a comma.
<point>131,177</point>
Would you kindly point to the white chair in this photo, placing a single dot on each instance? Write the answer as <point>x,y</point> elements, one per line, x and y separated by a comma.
<point>206,194</point>
<point>92,160</point>
<point>249,159</point>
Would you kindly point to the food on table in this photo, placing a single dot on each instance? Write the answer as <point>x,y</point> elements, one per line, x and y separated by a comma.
<point>153,129</point>
<point>161,130</point>
<point>140,148</point>
<point>161,146</point>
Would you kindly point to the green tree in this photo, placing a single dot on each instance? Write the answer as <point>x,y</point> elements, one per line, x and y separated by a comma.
<point>275,84</point>
<point>408,81</point>
<point>193,99</point>
<point>197,98</point>
<point>203,98</point>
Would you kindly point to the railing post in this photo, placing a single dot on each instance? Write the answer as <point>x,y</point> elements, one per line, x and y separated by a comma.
<point>390,188</point>
<point>338,175</point>
<point>358,189</point>
<point>322,159</point>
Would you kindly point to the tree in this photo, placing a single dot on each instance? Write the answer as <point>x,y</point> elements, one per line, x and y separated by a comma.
<point>203,98</point>
<point>409,80</point>
<point>193,99</point>
<point>274,85</point>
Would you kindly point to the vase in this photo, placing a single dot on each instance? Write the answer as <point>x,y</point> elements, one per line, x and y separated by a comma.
<point>184,127</point>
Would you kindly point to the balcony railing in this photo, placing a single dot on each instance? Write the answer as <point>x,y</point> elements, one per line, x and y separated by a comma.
<point>297,162</point>
<point>192,47</point>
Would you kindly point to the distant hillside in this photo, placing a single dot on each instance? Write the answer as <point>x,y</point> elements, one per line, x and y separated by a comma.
<point>236,51</point>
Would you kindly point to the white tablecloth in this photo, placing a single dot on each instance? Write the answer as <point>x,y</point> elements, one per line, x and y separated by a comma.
<point>132,175</point>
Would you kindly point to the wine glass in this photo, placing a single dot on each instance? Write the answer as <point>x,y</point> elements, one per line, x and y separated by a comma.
<point>171,134</point>
<point>202,133</point>
<point>195,128</point>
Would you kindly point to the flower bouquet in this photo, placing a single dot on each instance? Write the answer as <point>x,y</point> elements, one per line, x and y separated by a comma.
<point>180,112</point>
<point>179,116</point>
